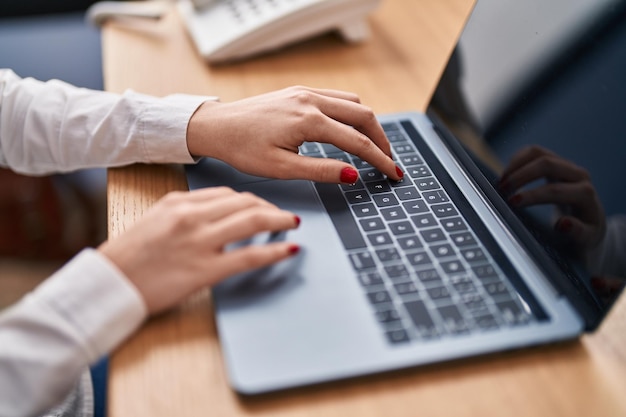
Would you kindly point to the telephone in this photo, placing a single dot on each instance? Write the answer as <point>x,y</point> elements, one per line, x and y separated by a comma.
<point>226,30</point>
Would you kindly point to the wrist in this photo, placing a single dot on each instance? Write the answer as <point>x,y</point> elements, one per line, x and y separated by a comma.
<point>200,128</point>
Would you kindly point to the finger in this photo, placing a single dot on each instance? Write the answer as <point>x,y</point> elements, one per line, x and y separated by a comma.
<point>354,142</point>
<point>217,208</point>
<point>550,167</point>
<point>344,95</point>
<point>252,257</point>
<point>552,193</point>
<point>360,117</point>
<point>248,222</point>
<point>580,196</point>
<point>580,233</point>
<point>319,169</point>
<point>201,194</point>
<point>523,157</point>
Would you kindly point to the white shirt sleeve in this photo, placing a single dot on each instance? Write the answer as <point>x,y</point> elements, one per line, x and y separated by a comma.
<point>88,307</point>
<point>52,126</point>
<point>67,323</point>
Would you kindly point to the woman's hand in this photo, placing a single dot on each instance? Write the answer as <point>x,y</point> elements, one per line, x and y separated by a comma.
<point>178,246</point>
<point>567,185</point>
<point>261,135</point>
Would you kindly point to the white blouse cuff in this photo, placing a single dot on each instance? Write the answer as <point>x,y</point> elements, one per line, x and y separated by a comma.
<point>164,127</point>
<point>95,298</point>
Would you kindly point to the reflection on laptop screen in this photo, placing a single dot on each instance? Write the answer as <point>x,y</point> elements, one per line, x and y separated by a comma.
<point>553,77</point>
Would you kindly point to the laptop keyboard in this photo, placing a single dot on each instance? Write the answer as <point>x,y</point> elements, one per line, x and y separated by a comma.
<point>423,270</point>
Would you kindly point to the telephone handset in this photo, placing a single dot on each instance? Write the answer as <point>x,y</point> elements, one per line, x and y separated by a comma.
<point>226,30</point>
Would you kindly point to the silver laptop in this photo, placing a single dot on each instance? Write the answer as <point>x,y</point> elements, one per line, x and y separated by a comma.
<point>438,266</point>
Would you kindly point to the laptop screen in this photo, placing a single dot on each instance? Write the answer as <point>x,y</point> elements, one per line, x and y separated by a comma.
<point>549,75</point>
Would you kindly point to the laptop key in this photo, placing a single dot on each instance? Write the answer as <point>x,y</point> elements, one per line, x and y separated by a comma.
<point>359,196</point>
<point>427,184</point>
<point>463,284</point>
<point>419,258</point>
<point>424,220</point>
<point>362,260</point>
<point>403,182</point>
<point>404,288</point>
<point>453,267</point>
<point>410,159</point>
<point>393,213</point>
<point>415,206</point>
<point>397,336</point>
<point>496,289</point>
<point>401,148</point>
<point>397,272</point>
<point>437,196</point>
<point>388,254</point>
<point>385,200</point>
<point>364,210</point>
<point>428,275</point>
<point>444,210</point>
<point>387,315</point>
<point>433,235</point>
<point>421,171</point>
<point>438,293</point>
<point>407,193</point>
<point>463,239</point>
<point>410,242</point>
<point>358,185</point>
<point>512,312</point>
<point>361,164</point>
<point>487,322</point>
<point>371,174</point>
<point>401,228</point>
<point>370,278</point>
<point>379,239</point>
<point>473,255</point>
<point>370,225</point>
<point>453,224</point>
<point>442,251</point>
<point>421,317</point>
<point>377,297</point>
<point>377,187</point>
<point>453,319</point>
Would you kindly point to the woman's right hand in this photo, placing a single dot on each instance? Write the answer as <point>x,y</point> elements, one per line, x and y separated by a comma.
<point>178,247</point>
<point>567,185</point>
<point>260,135</point>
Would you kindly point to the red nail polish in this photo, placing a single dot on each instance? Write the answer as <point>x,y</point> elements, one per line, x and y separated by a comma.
<point>564,226</point>
<point>349,175</point>
<point>399,172</point>
<point>298,220</point>
<point>515,200</point>
<point>293,249</point>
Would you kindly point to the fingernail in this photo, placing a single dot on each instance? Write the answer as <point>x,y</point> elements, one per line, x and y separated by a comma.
<point>293,249</point>
<point>349,175</point>
<point>564,225</point>
<point>516,200</point>
<point>298,220</point>
<point>399,172</point>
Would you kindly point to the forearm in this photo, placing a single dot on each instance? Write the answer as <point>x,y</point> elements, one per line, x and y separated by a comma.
<point>48,127</point>
<point>48,339</point>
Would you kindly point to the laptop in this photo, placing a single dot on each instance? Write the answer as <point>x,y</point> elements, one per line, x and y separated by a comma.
<point>438,266</point>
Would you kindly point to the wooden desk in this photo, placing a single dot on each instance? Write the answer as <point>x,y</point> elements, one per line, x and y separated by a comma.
<point>173,366</point>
